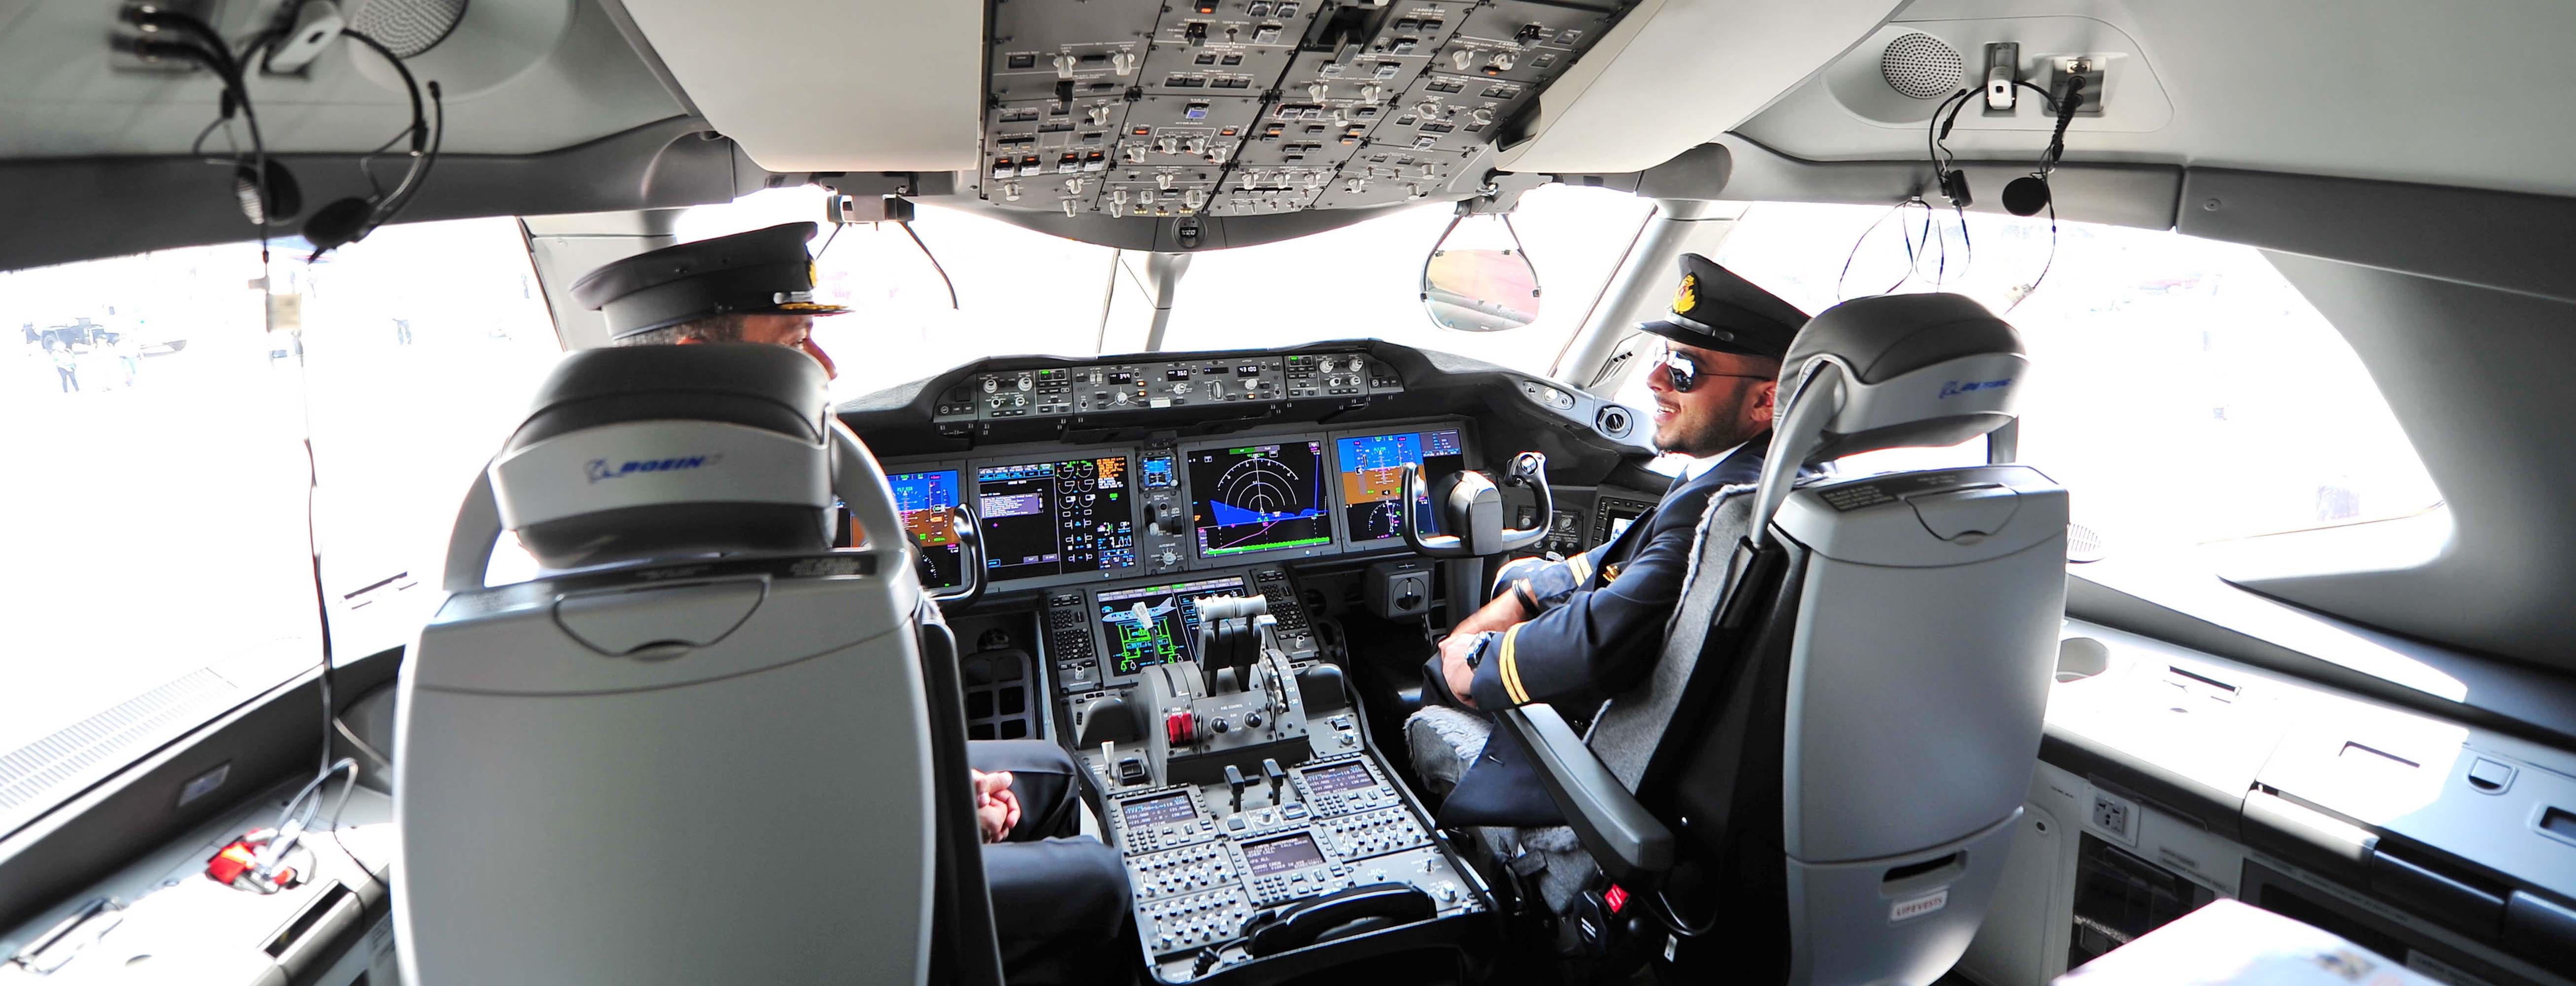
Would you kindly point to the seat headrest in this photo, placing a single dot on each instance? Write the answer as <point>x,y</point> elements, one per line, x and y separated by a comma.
<point>1915,370</point>
<point>661,451</point>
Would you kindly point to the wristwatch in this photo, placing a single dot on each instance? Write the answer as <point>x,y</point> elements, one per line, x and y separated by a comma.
<point>1476,654</point>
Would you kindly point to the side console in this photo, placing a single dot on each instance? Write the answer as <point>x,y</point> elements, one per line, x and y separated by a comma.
<point>1263,837</point>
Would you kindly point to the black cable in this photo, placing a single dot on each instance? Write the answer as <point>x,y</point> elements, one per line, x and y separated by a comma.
<point>1855,248</point>
<point>419,120</point>
<point>934,264</point>
<point>2052,254</point>
<point>827,241</point>
<point>403,195</point>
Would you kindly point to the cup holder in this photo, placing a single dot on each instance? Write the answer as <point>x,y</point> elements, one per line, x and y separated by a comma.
<point>2079,658</point>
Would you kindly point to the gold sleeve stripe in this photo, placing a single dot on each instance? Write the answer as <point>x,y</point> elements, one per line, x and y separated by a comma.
<point>1582,568</point>
<point>1512,669</point>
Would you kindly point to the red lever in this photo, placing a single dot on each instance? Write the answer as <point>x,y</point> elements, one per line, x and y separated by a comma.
<point>1180,728</point>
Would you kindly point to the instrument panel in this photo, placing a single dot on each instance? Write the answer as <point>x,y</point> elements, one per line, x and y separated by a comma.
<point>1053,516</point>
<point>1144,385</point>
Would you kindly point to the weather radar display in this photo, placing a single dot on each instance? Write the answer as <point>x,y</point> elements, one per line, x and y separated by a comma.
<point>1259,498</point>
<point>1372,469</point>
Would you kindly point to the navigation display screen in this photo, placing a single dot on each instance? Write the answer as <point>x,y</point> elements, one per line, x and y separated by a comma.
<point>1056,518</point>
<point>1156,811</point>
<point>1281,855</point>
<point>1372,468</point>
<point>1347,777</point>
<point>1155,624</point>
<point>1259,498</point>
<point>922,500</point>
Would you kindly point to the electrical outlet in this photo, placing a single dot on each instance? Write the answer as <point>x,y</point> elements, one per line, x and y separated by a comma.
<point>2115,817</point>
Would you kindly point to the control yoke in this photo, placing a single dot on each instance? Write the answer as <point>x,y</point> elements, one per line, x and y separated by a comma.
<point>970,561</point>
<point>1469,509</point>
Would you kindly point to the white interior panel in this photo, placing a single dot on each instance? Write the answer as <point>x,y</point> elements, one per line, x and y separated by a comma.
<point>2456,94</point>
<point>1676,72</point>
<point>810,85</point>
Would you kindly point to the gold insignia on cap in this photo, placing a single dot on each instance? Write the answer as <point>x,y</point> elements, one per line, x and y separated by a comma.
<point>812,274</point>
<point>1686,297</point>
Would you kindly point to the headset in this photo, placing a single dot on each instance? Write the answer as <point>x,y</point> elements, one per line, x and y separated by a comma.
<point>2024,196</point>
<point>268,191</point>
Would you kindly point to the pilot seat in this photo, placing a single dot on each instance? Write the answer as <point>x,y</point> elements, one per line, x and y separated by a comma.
<point>706,746</point>
<point>1819,781</point>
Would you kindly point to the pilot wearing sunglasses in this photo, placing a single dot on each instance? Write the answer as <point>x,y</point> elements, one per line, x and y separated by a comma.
<point>1573,633</point>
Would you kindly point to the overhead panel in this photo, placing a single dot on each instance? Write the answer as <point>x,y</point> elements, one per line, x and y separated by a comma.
<point>1139,109</point>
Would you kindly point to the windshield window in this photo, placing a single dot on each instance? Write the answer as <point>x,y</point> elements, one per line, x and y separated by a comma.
<point>2180,388</point>
<point>1364,281</point>
<point>416,380</point>
<point>1017,291</point>
<point>155,503</point>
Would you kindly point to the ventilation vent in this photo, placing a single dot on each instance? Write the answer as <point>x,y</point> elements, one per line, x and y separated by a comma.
<point>1920,66</point>
<point>1615,421</point>
<point>410,27</point>
<point>30,772</point>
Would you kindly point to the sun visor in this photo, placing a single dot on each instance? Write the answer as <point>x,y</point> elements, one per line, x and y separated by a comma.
<point>809,85</point>
<point>1676,73</point>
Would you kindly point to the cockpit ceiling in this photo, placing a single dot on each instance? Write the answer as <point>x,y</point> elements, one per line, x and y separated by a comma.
<point>1135,108</point>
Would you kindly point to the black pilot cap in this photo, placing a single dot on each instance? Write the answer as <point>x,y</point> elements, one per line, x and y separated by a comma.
<point>1714,309</point>
<point>762,272</point>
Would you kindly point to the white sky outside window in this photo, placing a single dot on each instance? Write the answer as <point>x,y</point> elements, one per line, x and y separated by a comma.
<point>1364,281</point>
<point>2181,389</point>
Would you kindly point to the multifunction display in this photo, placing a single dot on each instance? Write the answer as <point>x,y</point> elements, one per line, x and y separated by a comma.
<point>1156,811</point>
<point>1155,624</point>
<point>1347,777</point>
<point>923,501</point>
<point>1259,498</point>
<point>1372,471</point>
<point>1056,518</point>
<point>1281,855</point>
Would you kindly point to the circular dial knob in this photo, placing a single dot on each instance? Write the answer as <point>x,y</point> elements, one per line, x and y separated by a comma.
<point>1026,382</point>
<point>991,385</point>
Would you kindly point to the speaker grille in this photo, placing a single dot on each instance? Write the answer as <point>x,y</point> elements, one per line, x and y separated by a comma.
<point>1920,66</point>
<point>409,27</point>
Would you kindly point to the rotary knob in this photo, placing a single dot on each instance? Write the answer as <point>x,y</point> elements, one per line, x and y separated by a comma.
<point>991,385</point>
<point>1181,389</point>
<point>1459,59</point>
<point>1169,557</point>
<point>1026,382</point>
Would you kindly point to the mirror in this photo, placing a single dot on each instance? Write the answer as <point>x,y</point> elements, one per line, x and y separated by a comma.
<point>1480,282</point>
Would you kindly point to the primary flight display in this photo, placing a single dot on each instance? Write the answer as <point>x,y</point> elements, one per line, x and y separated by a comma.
<point>1259,498</point>
<point>1372,470</point>
<point>922,501</point>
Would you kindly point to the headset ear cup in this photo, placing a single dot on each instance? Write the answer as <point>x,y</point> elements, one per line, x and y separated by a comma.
<point>2026,195</point>
<point>338,222</point>
<point>284,199</point>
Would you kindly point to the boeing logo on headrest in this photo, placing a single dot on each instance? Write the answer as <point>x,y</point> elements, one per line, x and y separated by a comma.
<point>599,469</point>
<point>1955,387</point>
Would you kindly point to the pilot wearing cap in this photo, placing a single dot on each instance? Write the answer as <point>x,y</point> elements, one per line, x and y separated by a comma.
<point>1575,632</point>
<point>1059,897</point>
<point>747,287</point>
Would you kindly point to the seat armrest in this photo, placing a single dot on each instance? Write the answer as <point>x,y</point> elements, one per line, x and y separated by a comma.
<point>1629,844</point>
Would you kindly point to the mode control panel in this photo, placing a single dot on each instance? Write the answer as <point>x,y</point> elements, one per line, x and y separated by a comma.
<point>1142,385</point>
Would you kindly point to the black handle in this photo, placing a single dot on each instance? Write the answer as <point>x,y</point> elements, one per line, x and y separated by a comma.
<point>970,561</point>
<point>1305,923</point>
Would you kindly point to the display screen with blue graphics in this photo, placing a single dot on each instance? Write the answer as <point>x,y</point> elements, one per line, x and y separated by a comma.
<point>922,500</point>
<point>1155,624</point>
<point>1259,498</point>
<point>1372,468</point>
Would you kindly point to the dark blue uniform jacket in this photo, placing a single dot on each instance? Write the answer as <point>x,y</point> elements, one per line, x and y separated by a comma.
<point>1599,632</point>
